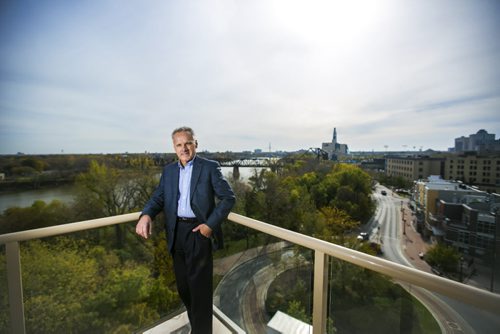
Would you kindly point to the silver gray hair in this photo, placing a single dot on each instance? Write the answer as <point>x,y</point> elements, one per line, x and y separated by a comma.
<point>183,129</point>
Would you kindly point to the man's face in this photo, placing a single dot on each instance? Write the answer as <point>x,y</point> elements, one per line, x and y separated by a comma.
<point>185,146</point>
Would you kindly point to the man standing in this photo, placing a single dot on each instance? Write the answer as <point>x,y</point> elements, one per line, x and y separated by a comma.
<point>186,194</point>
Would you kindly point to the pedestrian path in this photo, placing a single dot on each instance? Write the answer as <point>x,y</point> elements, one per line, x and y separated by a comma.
<point>411,241</point>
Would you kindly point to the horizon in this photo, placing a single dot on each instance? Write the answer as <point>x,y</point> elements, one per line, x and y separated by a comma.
<point>253,152</point>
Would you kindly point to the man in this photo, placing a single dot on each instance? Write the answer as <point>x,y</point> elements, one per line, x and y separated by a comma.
<point>186,194</point>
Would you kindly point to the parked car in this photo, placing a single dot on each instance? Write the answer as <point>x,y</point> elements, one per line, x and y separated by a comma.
<point>363,236</point>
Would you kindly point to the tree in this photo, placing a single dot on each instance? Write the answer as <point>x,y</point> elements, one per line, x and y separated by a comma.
<point>334,223</point>
<point>298,311</point>
<point>73,287</point>
<point>443,257</point>
<point>353,189</point>
<point>36,164</point>
<point>57,282</point>
<point>104,191</point>
<point>23,171</point>
<point>38,215</point>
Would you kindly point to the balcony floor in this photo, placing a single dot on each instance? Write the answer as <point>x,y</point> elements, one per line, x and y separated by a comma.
<point>179,324</point>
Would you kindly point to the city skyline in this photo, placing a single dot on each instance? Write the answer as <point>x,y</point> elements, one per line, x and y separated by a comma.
<point>107,77</point>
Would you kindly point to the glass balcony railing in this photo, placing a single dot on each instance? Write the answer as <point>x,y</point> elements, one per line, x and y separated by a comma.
<point>266,280</point>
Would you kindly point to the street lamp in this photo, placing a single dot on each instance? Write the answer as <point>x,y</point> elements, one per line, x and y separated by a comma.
<point>403,216</point>
<point>494,248</point>
<point>461,269</point>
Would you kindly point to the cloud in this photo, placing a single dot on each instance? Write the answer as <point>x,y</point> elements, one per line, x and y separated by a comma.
<point>97,76</point>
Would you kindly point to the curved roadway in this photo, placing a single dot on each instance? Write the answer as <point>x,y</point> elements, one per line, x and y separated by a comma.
<point>453,316</point>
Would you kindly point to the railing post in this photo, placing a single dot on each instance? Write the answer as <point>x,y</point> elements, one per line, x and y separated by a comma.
<point>14,282</point>
<point>320,292</point>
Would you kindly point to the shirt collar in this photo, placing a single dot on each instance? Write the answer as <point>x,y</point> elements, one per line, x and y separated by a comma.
<point>189,164</point>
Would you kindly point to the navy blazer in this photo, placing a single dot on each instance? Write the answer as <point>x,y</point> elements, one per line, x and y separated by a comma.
<point>207,185</point>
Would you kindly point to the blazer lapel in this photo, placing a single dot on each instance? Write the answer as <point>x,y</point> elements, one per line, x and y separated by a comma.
<point>195,175</point>
<point>174,184</point>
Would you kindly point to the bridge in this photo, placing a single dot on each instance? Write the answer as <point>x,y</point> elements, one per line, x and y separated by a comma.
<point>245,160</point>
<point>272,163</point>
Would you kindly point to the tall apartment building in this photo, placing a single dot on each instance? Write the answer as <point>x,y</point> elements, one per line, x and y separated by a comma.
<point>414,168</point>
<point>479,142</point>
<point>482,171</point>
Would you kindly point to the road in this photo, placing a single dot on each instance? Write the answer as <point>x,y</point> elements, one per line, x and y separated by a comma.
<point>241,294</point>
<point>453,316</point>
<point>235,290</point>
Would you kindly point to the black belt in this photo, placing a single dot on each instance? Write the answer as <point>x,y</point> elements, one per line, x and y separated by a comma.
<point>187,220</point>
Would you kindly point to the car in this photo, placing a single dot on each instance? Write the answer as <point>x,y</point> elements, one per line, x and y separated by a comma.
<point>383,192</point>
<point>363,236</point>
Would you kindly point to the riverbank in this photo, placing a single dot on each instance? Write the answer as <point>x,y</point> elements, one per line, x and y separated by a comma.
<point>64,192</point>
<point>22,184</point>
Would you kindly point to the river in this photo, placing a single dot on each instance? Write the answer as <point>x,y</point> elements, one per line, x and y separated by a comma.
<point>66,193</point>
<point>25,198</point>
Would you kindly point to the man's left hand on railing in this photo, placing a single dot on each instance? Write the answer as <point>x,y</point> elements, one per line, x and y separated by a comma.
<point>144,226</point>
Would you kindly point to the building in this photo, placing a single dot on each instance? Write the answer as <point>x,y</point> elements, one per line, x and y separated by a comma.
<point>375,164</point>
<point>426,194</point>
<point>470,225</point>
<point>479,142</point>
<point>334,149</point>
<point>457,215</point>
<point>481,171</point>
<point>414,167</point>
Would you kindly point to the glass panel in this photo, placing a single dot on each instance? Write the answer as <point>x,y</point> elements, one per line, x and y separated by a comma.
<point>466,318</point>
<point>264,284</point>
<point>98,281</point>
<point>109,280</point>
<point>362,301</point>
<point>4,293</point>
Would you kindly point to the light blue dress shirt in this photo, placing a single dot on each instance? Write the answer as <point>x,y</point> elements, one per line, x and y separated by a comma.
<point>183,205</point>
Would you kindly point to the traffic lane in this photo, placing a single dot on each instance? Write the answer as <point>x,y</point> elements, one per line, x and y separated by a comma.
<point>449,320</point>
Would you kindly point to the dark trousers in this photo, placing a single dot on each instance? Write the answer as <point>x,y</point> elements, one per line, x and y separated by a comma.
<point>193,266</point>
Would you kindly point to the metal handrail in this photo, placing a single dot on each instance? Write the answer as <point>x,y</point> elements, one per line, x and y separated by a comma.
<point>471,295</point>
<point>67,228</point>
<point>480,298</point>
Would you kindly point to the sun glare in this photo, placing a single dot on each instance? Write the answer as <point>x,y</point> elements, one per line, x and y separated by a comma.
<point>326,21</point>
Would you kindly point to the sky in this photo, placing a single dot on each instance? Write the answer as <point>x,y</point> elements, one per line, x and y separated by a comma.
<point>103,76</point>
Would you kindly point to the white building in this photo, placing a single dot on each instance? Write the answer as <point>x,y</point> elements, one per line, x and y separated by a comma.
<point>334,149</point>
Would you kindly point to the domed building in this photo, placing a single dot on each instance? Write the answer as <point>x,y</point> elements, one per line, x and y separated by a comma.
<point>481,141</point>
